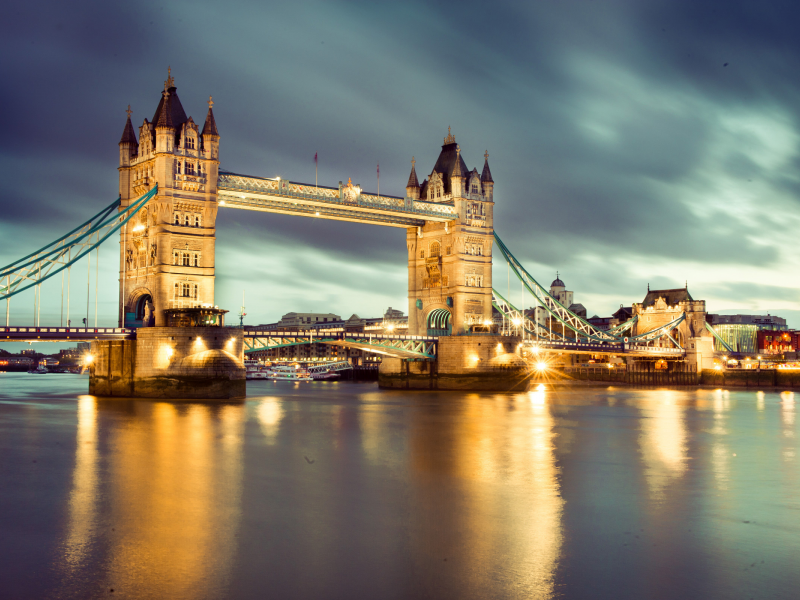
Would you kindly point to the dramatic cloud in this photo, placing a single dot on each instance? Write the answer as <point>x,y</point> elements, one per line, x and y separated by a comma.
<point>631,142</point>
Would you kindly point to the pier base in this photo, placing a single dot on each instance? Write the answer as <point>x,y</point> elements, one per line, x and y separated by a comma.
<point>480,363</point>
<point>204,363</point>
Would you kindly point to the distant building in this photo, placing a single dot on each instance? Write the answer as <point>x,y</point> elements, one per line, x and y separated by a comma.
<point>28,352</point>
<point>740,332</point>
<point>294,319</point>
<point>776,342</point>
<point>70,353</point>
<point>559,291</point>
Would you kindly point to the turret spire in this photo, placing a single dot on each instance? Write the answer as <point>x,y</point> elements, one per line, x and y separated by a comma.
<point>210,126</point>
<point>128,135</point>
<point>413,182</point>
<point>486,176</point>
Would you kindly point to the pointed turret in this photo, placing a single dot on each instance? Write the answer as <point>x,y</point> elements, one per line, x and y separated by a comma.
<point>486,179</point>
<point>210,126</point>
<point>412,188</point>
<point>457,176</point>
<point>210,134</point>
<point>128,145</point>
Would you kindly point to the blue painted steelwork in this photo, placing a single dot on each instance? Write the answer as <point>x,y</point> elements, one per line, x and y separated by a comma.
<point>400,346</point>
<point>56,256</point>
<point>568,319</point>
<point>439,322</point>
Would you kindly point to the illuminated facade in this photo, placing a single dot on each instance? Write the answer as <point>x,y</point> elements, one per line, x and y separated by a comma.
<point>450,264</point>
<point>167,251</point>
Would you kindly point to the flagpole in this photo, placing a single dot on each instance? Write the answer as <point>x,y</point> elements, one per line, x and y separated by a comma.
<point>379,180</point>
<point>316,172</point>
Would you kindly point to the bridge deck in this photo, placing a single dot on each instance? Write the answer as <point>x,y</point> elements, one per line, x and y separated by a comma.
<point>300,199</point>
<point>63,334</point>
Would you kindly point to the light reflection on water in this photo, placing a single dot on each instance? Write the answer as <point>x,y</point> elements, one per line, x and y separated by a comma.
<point>323,492</point>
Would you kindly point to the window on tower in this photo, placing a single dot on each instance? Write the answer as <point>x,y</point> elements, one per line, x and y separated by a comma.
<point>186,220</point>
<point>185,259</point>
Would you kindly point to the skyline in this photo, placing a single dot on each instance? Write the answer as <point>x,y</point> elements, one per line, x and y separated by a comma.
<point>629,145</point>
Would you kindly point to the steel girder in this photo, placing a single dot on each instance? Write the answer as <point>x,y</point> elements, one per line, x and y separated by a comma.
<point>399,346</point>
<point>558,311</point>
<point>56,256</point>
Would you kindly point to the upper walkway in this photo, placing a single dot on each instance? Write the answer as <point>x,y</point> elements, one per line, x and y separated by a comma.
<point>346,203</point>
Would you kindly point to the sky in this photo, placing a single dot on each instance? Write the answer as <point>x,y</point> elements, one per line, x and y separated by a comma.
<point>632,142</point>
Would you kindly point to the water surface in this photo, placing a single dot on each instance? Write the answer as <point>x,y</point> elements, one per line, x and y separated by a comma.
<point>340,490</point>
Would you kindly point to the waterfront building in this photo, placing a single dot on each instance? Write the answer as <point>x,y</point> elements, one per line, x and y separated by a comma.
<point>776,342</point>
<point>740,332</point>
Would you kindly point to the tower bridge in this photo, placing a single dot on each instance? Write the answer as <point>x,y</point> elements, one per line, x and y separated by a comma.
<point>170,191</point>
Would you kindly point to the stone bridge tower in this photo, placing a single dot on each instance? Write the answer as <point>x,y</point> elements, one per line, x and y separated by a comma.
<point>167,250</point>
<point>661,307</point>
<point>450,264</point>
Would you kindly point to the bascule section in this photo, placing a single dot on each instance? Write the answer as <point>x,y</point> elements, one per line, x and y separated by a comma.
<point>167,250</point>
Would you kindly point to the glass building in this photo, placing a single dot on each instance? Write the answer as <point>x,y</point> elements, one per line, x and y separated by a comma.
<point>740,332</point>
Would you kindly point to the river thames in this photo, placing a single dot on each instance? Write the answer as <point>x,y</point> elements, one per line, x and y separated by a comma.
<point>341,490</point>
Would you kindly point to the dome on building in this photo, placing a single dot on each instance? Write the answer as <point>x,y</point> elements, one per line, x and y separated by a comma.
<point>557,282</point>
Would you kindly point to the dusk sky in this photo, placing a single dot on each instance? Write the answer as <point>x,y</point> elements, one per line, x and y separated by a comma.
<point>631,142</point>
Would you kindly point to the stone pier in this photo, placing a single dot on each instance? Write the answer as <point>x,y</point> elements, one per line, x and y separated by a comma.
<point>203,363</point>
<point>480,363</point>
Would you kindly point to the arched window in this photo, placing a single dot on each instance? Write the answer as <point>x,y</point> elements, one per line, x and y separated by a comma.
<point>194,292</point>
<point>185,259</point>
<point>186,220</point>
<point>177,289</point>
<point>190,143</point>
<point>177,218</point>
<point>436,249</point>
<point>175,257</point>
<point>422,253</point>
<point>180,166</point>
<point>197,220</point>
<point>196,259</point>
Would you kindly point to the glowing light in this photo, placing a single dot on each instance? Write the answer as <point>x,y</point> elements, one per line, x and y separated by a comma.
<point>390,327</point>
<point>535,349</point>
<point>222,202</point>
<point>718,367</point>
<point>541,366</point>
<point>87,360</point>
<point>474,358</point>
<point>725,357</point>
<point>517,322</point>
<point>169,352</point>
<point>610,366</point>
<point>139,227</point>
<point>540,387</point>
<point>317,213</point>
<point>278,178</point>
<point>487,323</point>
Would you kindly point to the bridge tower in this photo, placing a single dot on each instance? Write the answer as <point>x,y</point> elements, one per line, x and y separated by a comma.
<point>450,264</point>
<point>167,250</point>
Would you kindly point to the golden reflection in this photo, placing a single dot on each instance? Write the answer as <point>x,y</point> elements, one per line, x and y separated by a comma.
<point>500,475</point>
<point>270,413</point>
<point>83,497</point>
<point>760,396</point>
<point>720,455</point>
<point>663,442</point>
<point>788,420</point>
<point>175,486</point>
